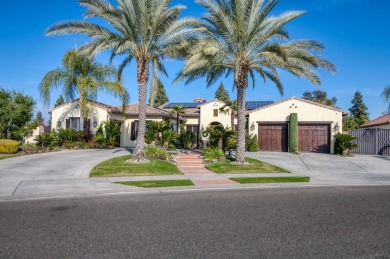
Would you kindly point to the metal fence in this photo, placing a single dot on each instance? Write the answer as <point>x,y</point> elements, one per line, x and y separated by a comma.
<point>372,141</point>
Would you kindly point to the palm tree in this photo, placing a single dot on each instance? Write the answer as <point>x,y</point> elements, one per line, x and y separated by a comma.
<point>242,39</point>
<point>230,107</point>
<point>147,31</point>
<point>178,110</point>
<point>82,76</point>
<point>386,95</point>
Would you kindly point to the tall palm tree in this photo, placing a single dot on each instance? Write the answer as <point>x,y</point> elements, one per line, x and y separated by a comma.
<point>178,110</point>
<point>230,107</point>
<point>386,95</point>
<point>82,76</point>
<point>147,31</point>
<point>242,39</point>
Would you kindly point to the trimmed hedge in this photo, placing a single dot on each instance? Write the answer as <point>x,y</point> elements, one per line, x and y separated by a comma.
<point>8,146</point>
<point>293,133</point>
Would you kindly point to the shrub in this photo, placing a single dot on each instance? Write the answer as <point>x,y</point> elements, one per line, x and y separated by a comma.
<point>213,154</point>
<point>112,132</point>
<point>69,135</point>
<point>43,140</point>
<point>253,145</point>
<point>293,133</point>
<point>344,143</point>
<point>149,136</point>
<point>8,146</point>
<point>168,136</point>
<point>187,139</point>
<point>157,152</point>
<point>100,138</point>
<point>29,149</point>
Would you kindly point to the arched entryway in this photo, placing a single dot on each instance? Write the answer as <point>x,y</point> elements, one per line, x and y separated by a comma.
<point>215,124</point>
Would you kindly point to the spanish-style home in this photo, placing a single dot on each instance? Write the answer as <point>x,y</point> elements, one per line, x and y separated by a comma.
<point>269,120</point>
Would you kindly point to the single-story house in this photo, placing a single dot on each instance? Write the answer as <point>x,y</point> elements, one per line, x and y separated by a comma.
<point>383,122</point>
<point>267,119</point>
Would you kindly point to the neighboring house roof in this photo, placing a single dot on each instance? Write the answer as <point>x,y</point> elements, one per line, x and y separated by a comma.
<point>383,120</point>
<point>303,100</point>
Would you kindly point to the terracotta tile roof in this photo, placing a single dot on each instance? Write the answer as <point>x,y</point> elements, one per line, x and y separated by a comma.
<point>133,109</point>
<point>303,100</point>
<point>383,120</point>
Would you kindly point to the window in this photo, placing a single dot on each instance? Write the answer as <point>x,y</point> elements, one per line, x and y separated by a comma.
<point>215,112</point>
<point>134,130</point>
<point>73,123</point>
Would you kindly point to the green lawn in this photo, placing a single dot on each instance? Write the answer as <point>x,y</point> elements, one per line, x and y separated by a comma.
<point>159,183</point>
<point>253,166</point>
<point>292,179</point>
<point>119,167</point>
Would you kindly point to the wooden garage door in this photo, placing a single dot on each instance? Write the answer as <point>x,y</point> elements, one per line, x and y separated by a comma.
<point>273,137</point>
<point>314,138</point>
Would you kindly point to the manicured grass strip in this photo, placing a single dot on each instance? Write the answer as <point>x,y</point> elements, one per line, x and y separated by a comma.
<point>253,166</point>
<point>291,179</point>
<point>120,167</point>
<point>159,183</point>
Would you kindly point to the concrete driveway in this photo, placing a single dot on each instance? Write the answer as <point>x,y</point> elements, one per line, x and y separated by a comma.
<point>62,172</point>
<point>331,169</point>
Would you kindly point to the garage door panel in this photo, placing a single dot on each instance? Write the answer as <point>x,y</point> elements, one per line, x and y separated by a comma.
<point>314,138</point>
<point>273,137</point>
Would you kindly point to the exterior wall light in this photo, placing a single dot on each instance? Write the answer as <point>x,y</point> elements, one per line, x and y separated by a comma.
<point>59,124</point>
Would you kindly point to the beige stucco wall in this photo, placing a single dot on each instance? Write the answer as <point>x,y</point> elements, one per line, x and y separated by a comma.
<point>71,110</point>
<point>126,127</point>
<point>191,120</point>
<point>207,114</point>
<point>306,113</point>
<point>30,140</point>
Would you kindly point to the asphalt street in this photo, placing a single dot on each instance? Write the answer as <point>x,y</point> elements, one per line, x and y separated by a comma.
<point>324,222</point>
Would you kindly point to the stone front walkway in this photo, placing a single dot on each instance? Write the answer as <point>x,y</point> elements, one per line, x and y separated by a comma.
<point>193,167</point>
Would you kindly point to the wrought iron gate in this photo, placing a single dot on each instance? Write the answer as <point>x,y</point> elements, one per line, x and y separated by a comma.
<point>372,141</point>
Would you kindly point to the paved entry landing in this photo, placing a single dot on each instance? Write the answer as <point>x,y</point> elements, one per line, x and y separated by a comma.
<point>192,166</point>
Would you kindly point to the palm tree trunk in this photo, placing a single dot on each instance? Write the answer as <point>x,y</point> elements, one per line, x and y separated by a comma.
<point>177,123</point>
<point>142,78</point>
<point>241,83</point>
<point>232,118</point>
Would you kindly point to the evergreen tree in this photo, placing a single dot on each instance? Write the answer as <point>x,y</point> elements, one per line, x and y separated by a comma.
<point>221,94</point>
<point>39,118</point>
<point>359,109</point>
<point>319,96</point>
<point>16,111</point>
<point>161,95</point>
<point>60,101</point>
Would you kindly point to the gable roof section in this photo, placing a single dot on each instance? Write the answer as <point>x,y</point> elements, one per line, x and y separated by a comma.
<point>303,100</point>
<point>382,120</point>
<point>94,103</point>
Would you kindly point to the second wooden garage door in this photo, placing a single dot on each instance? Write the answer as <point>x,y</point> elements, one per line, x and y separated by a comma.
<point>313,138</point>
<point>273,137</point>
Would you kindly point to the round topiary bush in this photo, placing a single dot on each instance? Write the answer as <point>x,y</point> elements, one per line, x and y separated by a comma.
<point>8,146</point>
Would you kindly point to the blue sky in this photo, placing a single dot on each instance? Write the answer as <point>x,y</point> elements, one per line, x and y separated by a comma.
<point>356,34</point>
